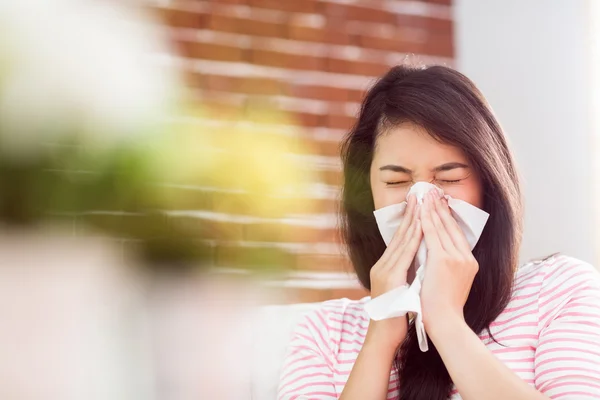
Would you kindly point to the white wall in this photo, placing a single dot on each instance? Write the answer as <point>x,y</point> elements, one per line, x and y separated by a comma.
<point>531,60</point>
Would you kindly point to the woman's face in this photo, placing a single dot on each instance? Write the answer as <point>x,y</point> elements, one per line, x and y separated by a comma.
<point>407,154</point>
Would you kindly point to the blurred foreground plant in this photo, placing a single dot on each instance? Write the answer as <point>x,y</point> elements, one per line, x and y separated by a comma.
<point>83,136</point>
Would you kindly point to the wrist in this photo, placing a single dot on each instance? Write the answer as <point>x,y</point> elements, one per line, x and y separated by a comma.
<point>386,335</point>
<point>445,326</point>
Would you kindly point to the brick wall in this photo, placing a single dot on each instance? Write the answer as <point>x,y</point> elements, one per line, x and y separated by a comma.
<point>313,60</point>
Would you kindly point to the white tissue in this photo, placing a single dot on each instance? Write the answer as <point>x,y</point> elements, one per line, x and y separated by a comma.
<point>402,300</point>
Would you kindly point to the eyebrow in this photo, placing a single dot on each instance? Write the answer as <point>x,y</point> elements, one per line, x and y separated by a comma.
<point>450,166</point>
<point>395,168</point>
<point>439,168</point>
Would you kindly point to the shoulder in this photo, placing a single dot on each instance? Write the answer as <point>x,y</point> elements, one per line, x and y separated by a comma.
<point>335,314</point>
<point>561,281</point>
<point>556,270</point>
<point>563,275</point>
<point>333,318</point>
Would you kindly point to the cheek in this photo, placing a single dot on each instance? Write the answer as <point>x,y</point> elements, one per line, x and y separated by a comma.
<point>472,194</point>
<point>385,196</point>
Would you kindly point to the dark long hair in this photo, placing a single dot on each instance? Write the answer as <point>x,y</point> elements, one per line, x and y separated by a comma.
<point>453,111</point>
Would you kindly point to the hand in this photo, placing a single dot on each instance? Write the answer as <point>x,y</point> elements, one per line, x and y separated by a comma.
<point>391,271</point>
<point>450,267</point>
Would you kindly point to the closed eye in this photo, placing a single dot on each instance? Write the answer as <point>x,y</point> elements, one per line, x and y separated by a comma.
<point>450,181</point>
<point>397,183</point>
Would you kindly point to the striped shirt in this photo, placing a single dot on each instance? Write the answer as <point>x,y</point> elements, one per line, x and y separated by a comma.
<point>549,335</point>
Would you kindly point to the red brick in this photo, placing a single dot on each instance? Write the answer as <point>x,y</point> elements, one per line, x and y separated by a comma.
<point>331,35</point>
<point>279,59</point>
<point>303,6</point>
<point>231,1</point>
<point>396,43</point>
<point>333,178</point>
<point>305,62</point>
<point>369,68</point>
<point>211,51</point>
<point>252,86</point>
<point>444,2</point>
<point>324,263</point>
<point>260,205</point>
<point>358,13</point>
<point>439,45</point>
<point>197,228</point>
<point>261,28</point>
<point>352,294</point>
<point>307,295</point>
<point>438,25</point>
<point>356,96</point>
<point>257,258</point>
<point>268,57</point>
<point>339,65</point>
<point>181,18</point>
<point>226,23</point>
<point>319,92</point>
<point>304,295</point>
<point>340,121</point>
<point>308,119</point>
<point>278,232</point>
<point>222,23</point>
<point>325,147</point>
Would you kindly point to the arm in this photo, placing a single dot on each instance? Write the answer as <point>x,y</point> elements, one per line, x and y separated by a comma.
<point>308,367</point>
<point>451,267</point>
<point>567,359</point>
<point>370,374</point>
<point>475,371</point>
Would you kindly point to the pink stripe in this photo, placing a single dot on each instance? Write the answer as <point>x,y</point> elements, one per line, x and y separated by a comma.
<point>305,376</point>
<point>347,341</point>
<point>306,385</point>
<point>518,316</point>
<point>349,351</point>
<point>346,328</point>
<point>511,337</point>
<point>299,348</point>
<point>550,330</point>
<point>593,396</point>
<point>518,325</point>
<point>563,371</point>
<point>578,383</point>
<point>513,349</point>
<point>289,362</point>
<point>522,306</point>
<point>524,276</point>
<point>520,360</point>
<point>552,295</point>
<point>555,269</point>
<point>320,394</point>
<point>545,341</point>
<point>302,368</point>
<point>345,317</point>
<point>563,359</point>
<point>553,349</point>
<point>526,296</point>
<point>323,341</point>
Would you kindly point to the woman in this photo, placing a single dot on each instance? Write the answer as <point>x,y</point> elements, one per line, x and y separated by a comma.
<point>495,331</point>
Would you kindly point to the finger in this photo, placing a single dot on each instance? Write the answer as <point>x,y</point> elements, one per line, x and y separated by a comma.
<point>429,232</point>
<point>413,233</point>
<point>406,221</point>
<point>456,234</point>
<point>412,246</point>
<point>443,235</point>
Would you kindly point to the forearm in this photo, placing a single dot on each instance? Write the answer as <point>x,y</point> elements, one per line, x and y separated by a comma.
<point>475,371</point>
<point>370,374</point>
